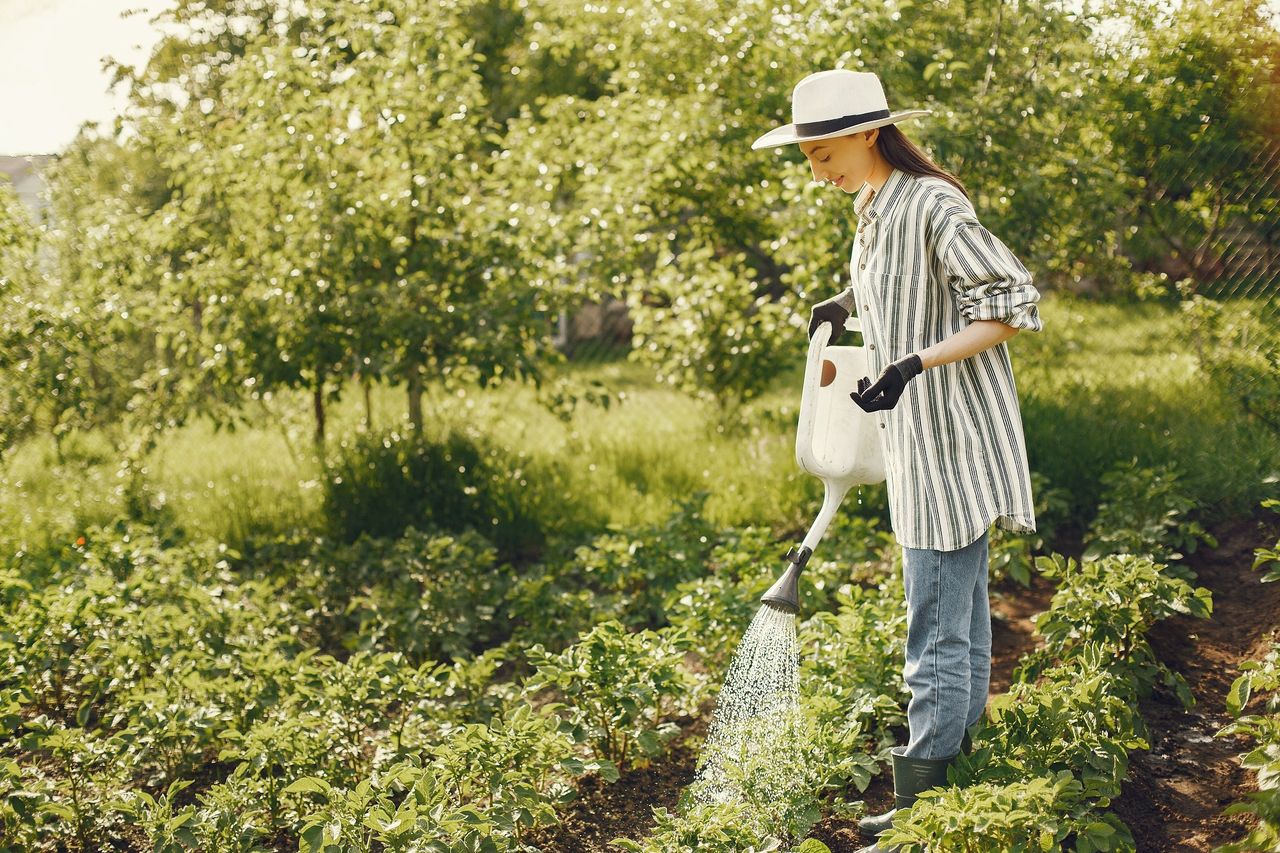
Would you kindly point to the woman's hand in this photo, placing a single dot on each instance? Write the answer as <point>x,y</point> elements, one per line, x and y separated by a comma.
<point>829,311</point>
<point>888,388</point>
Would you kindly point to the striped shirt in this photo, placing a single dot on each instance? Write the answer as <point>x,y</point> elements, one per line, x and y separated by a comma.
<point>923,267</point>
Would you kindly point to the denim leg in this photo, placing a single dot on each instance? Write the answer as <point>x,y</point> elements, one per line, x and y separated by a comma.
<point>980,639</point>
<point>940,593</point>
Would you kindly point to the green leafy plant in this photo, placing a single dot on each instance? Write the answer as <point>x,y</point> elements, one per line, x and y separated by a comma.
<point>427,594</point>
<point>619,686</point>
<point>1239,351</point>
<point>1111,602</point>
<point>168,828</point>
<point>228,821</point>
<point>1261,676</point>
<point>1011,554</point>
<point>1269,556</point>
<point>382,484</point>
<point>1080,717</point>
<point>703,828</point>
<point>1145,511</point>
<point>81,798</point>
<point>1035,814</point>
<point>853,655</point>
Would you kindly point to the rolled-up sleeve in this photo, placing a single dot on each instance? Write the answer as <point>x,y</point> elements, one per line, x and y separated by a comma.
<point>988,281</point>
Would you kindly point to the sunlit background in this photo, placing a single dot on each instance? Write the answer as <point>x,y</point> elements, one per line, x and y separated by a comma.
<point>375,374</point>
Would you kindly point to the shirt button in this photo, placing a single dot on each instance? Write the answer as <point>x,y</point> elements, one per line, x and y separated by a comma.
<point>871,346</point>
<point>866,307</point>
<point>881,426</point>
<point>862,266</point>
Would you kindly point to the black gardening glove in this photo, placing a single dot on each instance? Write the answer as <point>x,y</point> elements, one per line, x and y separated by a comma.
<point>829,311</point>
<point>887,389</point>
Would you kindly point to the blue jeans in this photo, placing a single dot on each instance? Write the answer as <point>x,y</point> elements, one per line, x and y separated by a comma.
<point>948,659</point>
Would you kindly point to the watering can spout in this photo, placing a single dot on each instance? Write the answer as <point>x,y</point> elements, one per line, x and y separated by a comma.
<point>784,594</point>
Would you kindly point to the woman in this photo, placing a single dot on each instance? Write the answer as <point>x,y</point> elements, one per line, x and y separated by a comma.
<point>938,295</point>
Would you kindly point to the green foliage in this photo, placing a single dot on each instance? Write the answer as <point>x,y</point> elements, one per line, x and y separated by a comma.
<point>1261,676</point>
<point>485,789</point>
<point>853,654</point>
<point>1054,749</point>
<point>381,484</point>
<point>1110,603</point>
<point>620,686</point>
<point>817,751</point>
<point>703,328</point>
<point>1034,814</point>
<point>1080,717</point>
<point>1265,806</point>
<point>715,612</point>
<point>71,799</point>
<point>1082,416</point>
<point>109,615</point>
<point>1145,511</point>
<point>1239,353</point>
<point>703,828</point>
<point>1010,554</point>
<point>168,828</point>
<point>617,575</point>
<point>429,595</point>
<point>1269,556</point>
<point>1199,80</point>
<point>227,822</point>
<point>286,743</point>
<point>795,758</point>
<point>25,327</point>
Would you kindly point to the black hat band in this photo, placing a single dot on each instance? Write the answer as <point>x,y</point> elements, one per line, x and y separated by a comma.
<point>831,125</point>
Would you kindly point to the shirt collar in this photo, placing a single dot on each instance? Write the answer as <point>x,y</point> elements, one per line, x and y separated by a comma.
<point>878,206</point>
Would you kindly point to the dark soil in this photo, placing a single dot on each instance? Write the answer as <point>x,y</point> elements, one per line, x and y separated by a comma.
<point>1174,794</point>
<point>624,809</point>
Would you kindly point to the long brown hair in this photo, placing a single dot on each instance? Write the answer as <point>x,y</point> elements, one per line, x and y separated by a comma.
<point>907,156</point>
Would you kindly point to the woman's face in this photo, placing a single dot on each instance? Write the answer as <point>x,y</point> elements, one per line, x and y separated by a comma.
<point>845,161</point>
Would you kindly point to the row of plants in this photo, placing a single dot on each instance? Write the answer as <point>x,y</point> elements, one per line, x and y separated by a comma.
<point>135,669</point>
<point>851,696</point>
<point>170,694</point>
<point>1259,679</point>
<point>184,694</point>
<point>850,686</point>
<point>1052,752</point>
<point>614,700</point>
<point>852,693</point>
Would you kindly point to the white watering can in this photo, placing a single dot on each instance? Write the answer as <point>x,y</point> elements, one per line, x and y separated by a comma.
<point>836,441</point>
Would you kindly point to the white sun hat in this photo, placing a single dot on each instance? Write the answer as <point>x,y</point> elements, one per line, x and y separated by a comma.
<point>834,103</point>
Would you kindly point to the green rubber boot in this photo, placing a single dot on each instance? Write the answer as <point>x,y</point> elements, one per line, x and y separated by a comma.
<point>910,777</point>
<point>872,825</point>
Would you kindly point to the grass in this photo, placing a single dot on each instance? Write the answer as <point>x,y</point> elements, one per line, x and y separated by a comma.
<point>1101,383</point>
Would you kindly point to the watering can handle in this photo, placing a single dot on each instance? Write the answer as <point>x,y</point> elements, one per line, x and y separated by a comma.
<point>812,376</point>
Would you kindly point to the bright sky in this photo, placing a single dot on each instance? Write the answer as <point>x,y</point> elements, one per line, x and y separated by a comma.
<point>51,75</point>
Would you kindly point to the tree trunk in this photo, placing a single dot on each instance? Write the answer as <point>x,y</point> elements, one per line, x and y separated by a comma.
<point>368,407</point>
<point>415,397</point>
<point>317,404</point>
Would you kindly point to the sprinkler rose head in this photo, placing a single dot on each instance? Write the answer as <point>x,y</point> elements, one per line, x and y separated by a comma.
<point>784,594</point>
